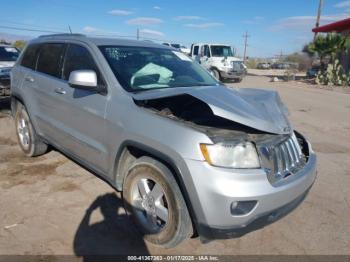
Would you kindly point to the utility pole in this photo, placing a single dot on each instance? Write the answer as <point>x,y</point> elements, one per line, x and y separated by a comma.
<point>70,29</point>
<point>138,34</point>
<point>245,36</point>
<point>279,56</point>
<point>320,6</point>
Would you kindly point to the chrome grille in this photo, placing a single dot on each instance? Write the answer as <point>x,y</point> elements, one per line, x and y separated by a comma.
<point>282,158</point>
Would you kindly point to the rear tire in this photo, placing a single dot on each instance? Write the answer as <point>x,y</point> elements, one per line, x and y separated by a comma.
<point>153,199</point>
<point>28,140</point>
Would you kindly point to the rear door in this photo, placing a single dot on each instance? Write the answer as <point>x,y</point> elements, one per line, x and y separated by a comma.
<point>23,82</point>
<point>45,82</point>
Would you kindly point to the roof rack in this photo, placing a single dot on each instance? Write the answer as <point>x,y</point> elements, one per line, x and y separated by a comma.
<point>63,34</point>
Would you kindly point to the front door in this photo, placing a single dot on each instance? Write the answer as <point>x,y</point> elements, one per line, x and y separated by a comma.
<point>83,111</point>
<point>205,57</point>
<point>74,118</point>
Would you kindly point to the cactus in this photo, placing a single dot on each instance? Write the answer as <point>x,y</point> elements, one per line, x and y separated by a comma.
<point>333,75</point>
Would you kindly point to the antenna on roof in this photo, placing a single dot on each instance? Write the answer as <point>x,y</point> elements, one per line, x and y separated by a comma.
<point>70,29</point>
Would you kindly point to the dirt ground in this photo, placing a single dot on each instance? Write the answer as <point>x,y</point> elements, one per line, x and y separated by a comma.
<point>50,205</point>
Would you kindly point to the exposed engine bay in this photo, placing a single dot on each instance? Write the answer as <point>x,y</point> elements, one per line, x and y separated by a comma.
<point>198,115</point>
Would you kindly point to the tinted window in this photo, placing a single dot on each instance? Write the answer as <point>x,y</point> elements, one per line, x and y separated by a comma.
<point>50,58</point>
<point>8,53</point>
<point>206,51</point>
<point>30,56</point>
<point>78,58</point>
<point>195,50</point>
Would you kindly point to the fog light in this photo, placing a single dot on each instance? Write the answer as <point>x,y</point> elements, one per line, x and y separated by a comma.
<point>240,208</point>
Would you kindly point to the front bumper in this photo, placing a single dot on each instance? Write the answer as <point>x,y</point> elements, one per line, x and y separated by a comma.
<point>218,188</point>
<point>232,74</point>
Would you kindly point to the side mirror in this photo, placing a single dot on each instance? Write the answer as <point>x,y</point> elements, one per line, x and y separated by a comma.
<point>83,79</point>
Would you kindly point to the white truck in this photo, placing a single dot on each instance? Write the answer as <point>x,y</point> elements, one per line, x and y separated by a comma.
<point>219,59</point>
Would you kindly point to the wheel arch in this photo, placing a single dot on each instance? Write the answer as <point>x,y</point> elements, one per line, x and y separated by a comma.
<point>130,151</point>
<point>15,98</point>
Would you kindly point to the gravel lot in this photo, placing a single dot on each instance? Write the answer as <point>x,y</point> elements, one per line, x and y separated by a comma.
<point>50,205</point>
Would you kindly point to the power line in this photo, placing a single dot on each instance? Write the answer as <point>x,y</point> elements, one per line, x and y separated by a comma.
<point>245,36</point>
<point>30,29</point>
<point>13,23</point>
<point>98,35</point>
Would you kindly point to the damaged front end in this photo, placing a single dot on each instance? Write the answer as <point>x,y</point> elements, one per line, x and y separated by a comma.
<point>235,117</point>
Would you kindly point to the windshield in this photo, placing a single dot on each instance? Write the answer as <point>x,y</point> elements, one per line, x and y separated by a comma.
<point>8,53</point>
<point>221,51</point>
<point>141,68</point>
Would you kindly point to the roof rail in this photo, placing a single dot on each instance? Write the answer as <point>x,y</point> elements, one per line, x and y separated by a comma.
<point>63,34</point>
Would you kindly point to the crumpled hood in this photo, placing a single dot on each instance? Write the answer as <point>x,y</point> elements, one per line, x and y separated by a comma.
<point>255,108</point>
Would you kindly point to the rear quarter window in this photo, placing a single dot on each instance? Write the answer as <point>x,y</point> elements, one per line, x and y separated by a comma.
<point>30,56</point>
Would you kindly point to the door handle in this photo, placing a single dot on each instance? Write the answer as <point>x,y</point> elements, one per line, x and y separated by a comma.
<point>29,79</point>
<point>60,91</point>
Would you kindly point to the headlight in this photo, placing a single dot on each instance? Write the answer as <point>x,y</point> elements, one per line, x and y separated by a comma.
<point>231,155</point>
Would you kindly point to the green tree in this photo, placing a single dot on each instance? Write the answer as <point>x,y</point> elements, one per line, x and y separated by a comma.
<point>327,46</point>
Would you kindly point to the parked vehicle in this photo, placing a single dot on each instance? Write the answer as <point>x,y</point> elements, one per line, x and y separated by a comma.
<point>8,56</point>
<point>285,65</point>
<point>182,48</point>
<point>220,60</point>
<point>189,154</point>
<point>280,66</point>
<point>313,71</point>
<point>263,66</point>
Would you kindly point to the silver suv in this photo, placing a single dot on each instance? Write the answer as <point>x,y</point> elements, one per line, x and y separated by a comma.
<point>191,156</point>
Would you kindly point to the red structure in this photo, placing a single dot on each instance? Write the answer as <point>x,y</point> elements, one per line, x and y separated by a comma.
<point>339,27</point>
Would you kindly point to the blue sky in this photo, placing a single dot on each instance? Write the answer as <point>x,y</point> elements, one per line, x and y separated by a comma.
<point>273,25</point>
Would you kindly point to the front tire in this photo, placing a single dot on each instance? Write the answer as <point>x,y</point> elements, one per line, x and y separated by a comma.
<point>154,201</point>
<point>28,140</point>
<point>216,74</point>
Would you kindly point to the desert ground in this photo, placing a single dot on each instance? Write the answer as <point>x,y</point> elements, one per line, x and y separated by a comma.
<point>51,205</point>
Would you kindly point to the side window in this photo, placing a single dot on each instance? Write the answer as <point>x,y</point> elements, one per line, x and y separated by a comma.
<point>30,56</point>
<point>206,51</point>
<point>78,58</point>
<point>49,61</point>
<point>195,50</point>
